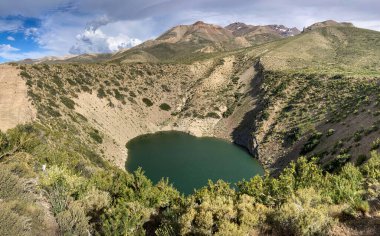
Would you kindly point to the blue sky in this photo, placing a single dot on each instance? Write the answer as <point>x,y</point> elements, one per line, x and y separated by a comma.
<point>38,28</point>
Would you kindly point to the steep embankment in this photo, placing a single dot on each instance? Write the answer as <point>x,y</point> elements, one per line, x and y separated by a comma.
<point>15,107</point>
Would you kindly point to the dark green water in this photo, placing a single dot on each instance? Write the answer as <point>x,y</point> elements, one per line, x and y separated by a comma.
<point>189,162</point>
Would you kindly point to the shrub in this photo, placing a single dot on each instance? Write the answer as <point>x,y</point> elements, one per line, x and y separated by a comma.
<point>68,102</point>
<point>347,186</point>
<point>304,213</point>
<point>375,144</point>
<point>361,159</point>
<point>118,95</point>
<point>213,115</point>
<point>132,94</point>
<point>147,102</point>
<point>293,135</point>
<point>96,136</point>
<point>235,79</point>
<point>57,81</point>
<point>101,93</point>
<point>337,163</point>
<point>330,132</point>
<point>311,143</point>
<point>11,186</point>
<point>12,223</point>
<point>25,75</point>
<point>73,221</point>
<point>165,107</point>
<point>229,111</point>
<point>165,88</point>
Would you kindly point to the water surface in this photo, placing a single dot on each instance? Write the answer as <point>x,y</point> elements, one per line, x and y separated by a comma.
<point>189,162</point>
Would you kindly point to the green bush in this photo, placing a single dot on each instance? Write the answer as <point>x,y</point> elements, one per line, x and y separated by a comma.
<point>304,213</point>
<point>11,223</point>
<point>96,136</point>
<point>330,132</point>
<point>73,221</point>
<point>311,143</point>
<point>68,102</point>
<point>147,102</point>
<point>118,95</point>
<point>101,93</point>
<point>293,135</point>
<point>165,107</point>
<point>25,75</point>
<point>375,144</point>
<point>213,115</point>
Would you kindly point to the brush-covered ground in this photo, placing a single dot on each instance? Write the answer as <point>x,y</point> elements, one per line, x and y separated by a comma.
<point>314,95</point>
<point>53,183</point>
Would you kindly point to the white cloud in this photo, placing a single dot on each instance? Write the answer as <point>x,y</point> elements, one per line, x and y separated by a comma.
<point>7,48</point>
<point>7,51</point>
<point>10,25</point>
<point>10,53</point>
<point>96,41</point>
<point>31,32</point>
<point>374,25</point>
<point>10,38</point>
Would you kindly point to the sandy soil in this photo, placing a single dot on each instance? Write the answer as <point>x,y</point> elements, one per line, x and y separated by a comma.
<point>15,108</point>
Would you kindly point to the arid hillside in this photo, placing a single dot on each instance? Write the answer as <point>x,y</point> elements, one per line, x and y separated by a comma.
<point>307,107</point>
<point>280,100</point>
<point>15,106</point>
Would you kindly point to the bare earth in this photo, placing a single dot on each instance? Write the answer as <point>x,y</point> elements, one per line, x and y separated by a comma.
<point>15,108</point>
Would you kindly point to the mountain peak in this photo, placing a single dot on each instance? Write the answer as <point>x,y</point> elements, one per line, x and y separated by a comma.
<point>199,23</point>
<point>327,23</point>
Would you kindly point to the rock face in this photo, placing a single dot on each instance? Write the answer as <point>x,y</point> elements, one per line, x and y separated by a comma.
<point>15,108</point>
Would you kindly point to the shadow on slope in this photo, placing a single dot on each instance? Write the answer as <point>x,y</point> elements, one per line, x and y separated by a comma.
<point>243,133</point>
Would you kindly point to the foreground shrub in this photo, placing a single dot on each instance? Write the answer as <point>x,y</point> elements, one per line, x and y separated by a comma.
<point>12,223</point>
<point>73,221</point>
<point>209,207</point>
<point>304,213</point>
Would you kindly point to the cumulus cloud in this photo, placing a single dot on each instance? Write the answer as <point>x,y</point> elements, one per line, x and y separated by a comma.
<point>6,51</point>
<point>7,48</point>
<point>93,40</point>
<point>10,25</point>
<point>10,38</point>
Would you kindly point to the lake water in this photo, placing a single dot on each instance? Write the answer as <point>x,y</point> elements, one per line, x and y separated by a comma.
<point>189,162</point>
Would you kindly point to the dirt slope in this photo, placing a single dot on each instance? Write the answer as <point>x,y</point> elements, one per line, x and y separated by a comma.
<point>15,108</point>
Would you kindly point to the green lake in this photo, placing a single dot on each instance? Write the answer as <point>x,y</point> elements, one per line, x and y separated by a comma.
<point>189,162</point>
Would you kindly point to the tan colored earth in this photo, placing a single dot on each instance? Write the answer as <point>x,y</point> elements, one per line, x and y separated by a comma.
<point>15,107</point>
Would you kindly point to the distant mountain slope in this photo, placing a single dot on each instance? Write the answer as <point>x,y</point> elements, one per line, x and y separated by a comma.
<point>331,49</point>
<point>195,40</point>
<point>327,23</point>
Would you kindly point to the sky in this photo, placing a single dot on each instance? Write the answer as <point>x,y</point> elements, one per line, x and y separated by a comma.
<point>38,28</point>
